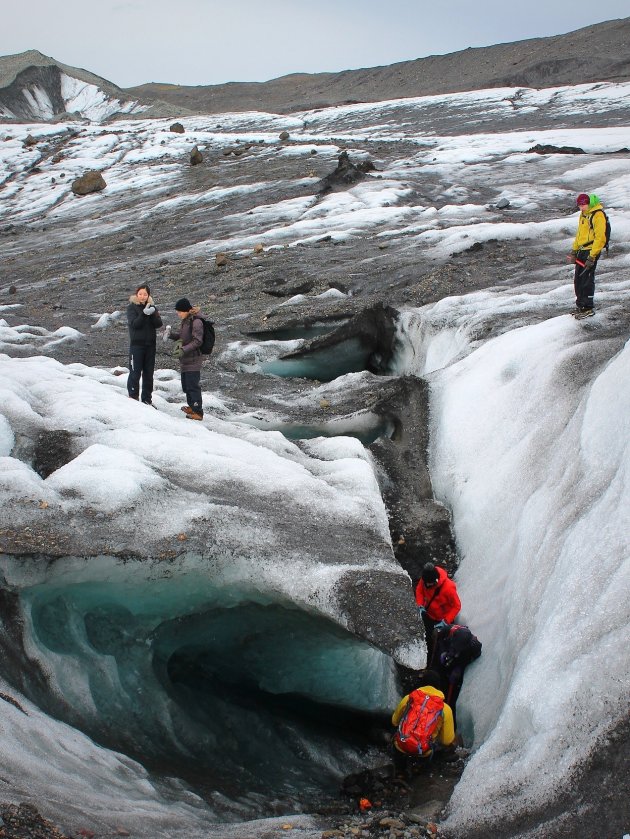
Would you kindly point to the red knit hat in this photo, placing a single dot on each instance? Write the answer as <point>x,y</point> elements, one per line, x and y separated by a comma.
<point>582,199</point>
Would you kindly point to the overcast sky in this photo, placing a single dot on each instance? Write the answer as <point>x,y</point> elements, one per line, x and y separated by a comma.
<point>191,42</point>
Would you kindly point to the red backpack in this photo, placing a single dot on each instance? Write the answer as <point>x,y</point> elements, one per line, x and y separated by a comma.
<point>420,723</point>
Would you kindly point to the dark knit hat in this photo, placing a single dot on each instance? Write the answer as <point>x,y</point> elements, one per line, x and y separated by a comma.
<point>582,199</point>
<point>183,305</point>
<point>143,285</point>
<point>429,574</point>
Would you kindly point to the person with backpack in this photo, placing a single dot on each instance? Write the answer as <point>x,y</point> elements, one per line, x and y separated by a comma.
<point>190,349</point>
<point>437,600</point>
<point>454,648</point>
<point>143,319</point>
<point>592,237</point>
<point>424,723</point>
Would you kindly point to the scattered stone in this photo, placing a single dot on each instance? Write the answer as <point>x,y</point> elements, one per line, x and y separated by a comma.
<point>177,128</point>
<point>324,403</point>
<point>56,158</point>
<point>259,248</point>
<point>503,204</point>
<point>92,181</point>
<point>12,289</point>
<point>30,140</point>
<point>196,157</point>
<point>23,820</point>
<point>390,822</point>
<point>284,135</point>
<point>221,260</point>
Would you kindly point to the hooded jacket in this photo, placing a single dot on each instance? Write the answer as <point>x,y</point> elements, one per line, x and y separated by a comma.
<point>441,601</point>
<point>142,327</point>
<point>591,232</point>
<point>191,335</point>
<point>446,732</point>
<point>454,647</point>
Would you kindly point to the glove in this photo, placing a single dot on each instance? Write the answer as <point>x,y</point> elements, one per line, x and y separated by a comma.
<point>148,310</point>
<point>590,263</point>
<point>446,660</point>
<point>422,610</point>
<point>166,334</point>
<point>440,625</point>
<point>178,352</point>
<point>571,257</point>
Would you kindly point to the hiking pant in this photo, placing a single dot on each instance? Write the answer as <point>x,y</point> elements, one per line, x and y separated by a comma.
<point>455,682</point>
<point>584,283</point>
<point>141,363</point>
<point>191,385</point>
<point>429,626</point>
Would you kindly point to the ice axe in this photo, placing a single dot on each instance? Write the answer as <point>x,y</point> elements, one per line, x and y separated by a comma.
<point>582,266</point>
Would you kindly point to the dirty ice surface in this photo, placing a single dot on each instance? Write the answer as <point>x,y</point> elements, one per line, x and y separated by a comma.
<point>530,441</point>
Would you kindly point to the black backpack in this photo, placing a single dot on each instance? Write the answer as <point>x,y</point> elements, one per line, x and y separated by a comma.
<point>590,221</point>
<point>207,345</point>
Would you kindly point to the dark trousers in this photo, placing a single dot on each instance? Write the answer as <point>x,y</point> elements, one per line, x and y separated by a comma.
<point>429,626</point>
<point>141,363</point>
<point>584,283</point>
<point>191,385</point>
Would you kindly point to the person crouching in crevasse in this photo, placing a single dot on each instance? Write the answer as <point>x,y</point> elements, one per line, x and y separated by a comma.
<point>437,600</point>
<point>424,723</point>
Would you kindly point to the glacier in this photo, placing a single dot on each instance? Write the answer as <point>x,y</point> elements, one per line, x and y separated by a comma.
<point>167,575</point>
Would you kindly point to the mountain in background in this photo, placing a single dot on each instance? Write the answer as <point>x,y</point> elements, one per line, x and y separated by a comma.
<point>36,87</point>
<point>595,53</point>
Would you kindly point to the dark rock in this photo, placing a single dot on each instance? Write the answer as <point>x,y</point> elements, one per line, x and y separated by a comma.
<point>30,140</point>
<point>53,449</point>
<point>284,135</point>
<point>221,260</point>
<point>12,289</point>
<point>196,157</point>
<point>177,128</point>
<point>14,702</point>
<point>502,204</point>
<point>346,174</point>
<point>543,149</point>
<point>290,291</point>
<point>90,182</point>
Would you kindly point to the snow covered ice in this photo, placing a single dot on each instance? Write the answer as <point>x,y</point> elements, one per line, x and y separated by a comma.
<point>530,436</point>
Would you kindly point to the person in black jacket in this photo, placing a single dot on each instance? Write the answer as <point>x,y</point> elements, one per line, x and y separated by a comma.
<point>143,319</point>
<point>454,648</point>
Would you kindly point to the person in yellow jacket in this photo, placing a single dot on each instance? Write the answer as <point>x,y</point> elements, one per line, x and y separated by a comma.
<point>424,722</point>
<point>587,246</point>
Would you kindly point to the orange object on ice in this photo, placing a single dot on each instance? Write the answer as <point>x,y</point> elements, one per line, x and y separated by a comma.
<point>365,804</point>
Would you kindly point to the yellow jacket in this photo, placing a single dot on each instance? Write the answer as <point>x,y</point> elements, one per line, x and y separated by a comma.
<point>446,732</point>
<point>591,232</point>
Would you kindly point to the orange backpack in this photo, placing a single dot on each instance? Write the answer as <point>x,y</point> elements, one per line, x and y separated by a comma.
<point>420,723</point>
